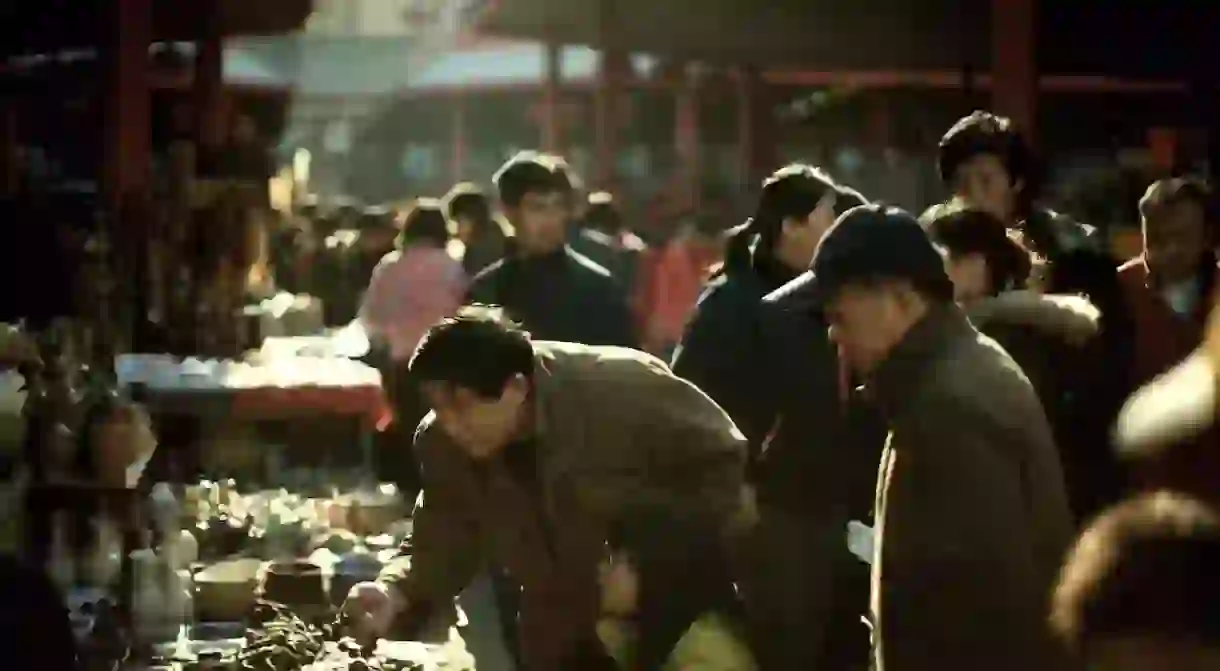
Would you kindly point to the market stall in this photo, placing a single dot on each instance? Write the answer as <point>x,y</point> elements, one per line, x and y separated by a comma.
<point>237,579</point>
<point>289,379</point>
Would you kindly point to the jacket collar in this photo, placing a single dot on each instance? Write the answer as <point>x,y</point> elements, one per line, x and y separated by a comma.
<point>905,369</point>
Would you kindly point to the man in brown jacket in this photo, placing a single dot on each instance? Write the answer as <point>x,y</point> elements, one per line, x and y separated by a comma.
<point>972,518</point>
<point>531,450</point>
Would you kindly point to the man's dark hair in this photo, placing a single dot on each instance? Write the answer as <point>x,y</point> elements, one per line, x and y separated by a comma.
<point>467,201</point>
<point>603,214</point>
<point>1147,567</point>
<point>1166,193</point>
<point>478,349</point>
<point>987,133</point>
<point>425,223</point>
<point>965,231</point>
<point>530,172</point>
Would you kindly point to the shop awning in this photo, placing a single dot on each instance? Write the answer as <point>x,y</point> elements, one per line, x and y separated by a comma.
<point>43,26</point>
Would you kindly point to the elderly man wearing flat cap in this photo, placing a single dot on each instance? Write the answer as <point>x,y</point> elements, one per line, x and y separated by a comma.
<point>972,517</point>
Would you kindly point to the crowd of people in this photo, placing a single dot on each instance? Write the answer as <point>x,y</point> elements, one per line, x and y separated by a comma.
<point>847,436</point>
<point>837,436</point>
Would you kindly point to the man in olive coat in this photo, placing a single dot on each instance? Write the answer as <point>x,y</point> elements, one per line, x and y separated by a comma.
<point>532,449</point>
<point>972,514</point>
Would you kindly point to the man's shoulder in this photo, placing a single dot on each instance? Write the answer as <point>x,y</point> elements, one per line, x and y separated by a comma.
<point>978,377</point>
<point>730,293</point>
<point>489,274</point>
<point>588,269</point>
<point>566,357</point>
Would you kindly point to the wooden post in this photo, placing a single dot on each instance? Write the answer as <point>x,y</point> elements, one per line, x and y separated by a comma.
<point>755,127</point>
<point>209,93</point>
<point>458,137</point>
<point>9,169</point>
<point>1163,149</point>
<point>1014,68</point>
<point>127,108</point>
<point>614,68</point>
<point>612,77</point>
<point>686,135</point>
<point>551,85</point>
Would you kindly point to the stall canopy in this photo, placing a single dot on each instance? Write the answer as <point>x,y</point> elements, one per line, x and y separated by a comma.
<point>1093,38</point>
<point>40,26</point>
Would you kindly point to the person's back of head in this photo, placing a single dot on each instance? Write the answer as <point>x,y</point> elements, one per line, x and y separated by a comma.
<point>467,204</point>
<point>603,214</point>
<point>1140,590</point>
<point>424,225</point>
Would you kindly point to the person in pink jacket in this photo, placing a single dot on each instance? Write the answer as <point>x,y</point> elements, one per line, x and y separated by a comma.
<point>416,285</point>
<point>412,288</point>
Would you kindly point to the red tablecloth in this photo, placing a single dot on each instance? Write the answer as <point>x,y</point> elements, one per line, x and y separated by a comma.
<point>285,402</point>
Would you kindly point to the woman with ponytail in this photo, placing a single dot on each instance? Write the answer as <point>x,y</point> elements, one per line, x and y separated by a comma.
<point>719,349</point>
<point>756,349</point>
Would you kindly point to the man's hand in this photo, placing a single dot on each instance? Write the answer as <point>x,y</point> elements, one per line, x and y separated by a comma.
<point>370,609</point>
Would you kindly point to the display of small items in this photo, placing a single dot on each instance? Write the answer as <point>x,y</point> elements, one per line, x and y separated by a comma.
<point>278,639</point>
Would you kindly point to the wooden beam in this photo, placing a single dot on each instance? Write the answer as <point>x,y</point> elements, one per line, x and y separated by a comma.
<point>127,99</point>
<point>552,81</point>
<point>1013,65</point>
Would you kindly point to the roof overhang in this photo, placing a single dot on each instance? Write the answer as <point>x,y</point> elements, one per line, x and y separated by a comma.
<point>1116,39</point>
<point>44,26</point>
<point>861,35</point>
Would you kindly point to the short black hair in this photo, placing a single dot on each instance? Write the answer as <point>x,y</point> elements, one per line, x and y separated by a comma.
<point>965,231</point>
<point>479,349</point>
<point>1147,567</point>
<point>424,223</point>
<point>467,201</point>
<point>986,133</point>
<point>603,213</point>
<point>1165,193</point>
<point>530,172</point>
<point>576,183</point>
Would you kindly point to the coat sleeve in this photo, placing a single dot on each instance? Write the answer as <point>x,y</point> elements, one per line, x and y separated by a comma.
<point>444,551</point>
<point>695,454</point>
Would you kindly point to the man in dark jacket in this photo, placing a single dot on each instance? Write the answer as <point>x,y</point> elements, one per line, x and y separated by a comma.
<point>972,513</point>
<point>556,293</point>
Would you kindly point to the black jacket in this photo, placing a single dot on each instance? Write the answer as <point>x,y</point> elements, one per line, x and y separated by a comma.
<point>561,296</point>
